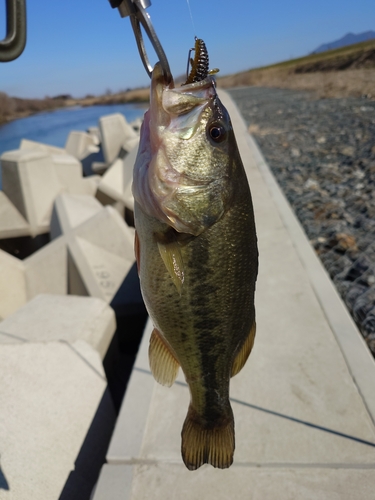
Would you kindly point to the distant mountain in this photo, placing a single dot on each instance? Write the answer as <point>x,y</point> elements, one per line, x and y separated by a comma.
<point>348,39</point>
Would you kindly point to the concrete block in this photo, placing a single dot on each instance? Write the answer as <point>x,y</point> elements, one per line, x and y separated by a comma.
<point>100,245</point>
<point>67,168</point>
<point>49,396</point>
<point>72,210</point>
<point>91,253</point>
<point>46,270</point>
<point>85,186</point>
<point>112,182</point>
<point>94,132</point>
<point>91,160</point>
<point>115,483</point>
<point>12,223</point>
<point>116,183</point>
<point>99,167</point>
<point>27,144</point>
<point>130,144</point>
<point>256,482</point>
<point>116,133</point>
<point>43,272</point>
<point>31,181</point>
<point>128,436</point>
<point>67,318</point>
<point>80,144</point>
<point>102,250</point>
<point>31,184</point>
<point>12,284</point>
<point>69,173</point>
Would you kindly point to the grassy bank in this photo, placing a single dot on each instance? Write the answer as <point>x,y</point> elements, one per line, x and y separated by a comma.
<point>348,71</point>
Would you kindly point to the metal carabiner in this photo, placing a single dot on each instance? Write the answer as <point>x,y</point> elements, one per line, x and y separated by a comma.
<point>136,9</point>
<point>13,44</point>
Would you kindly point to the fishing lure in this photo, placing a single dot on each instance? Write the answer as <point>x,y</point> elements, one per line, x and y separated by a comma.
<point>199,65</point>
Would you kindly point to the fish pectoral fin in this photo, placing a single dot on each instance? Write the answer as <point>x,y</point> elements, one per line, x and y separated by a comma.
<point>244,353</point>
<point>172,258</point>
<point>164,366</point>
<point>207,445</point>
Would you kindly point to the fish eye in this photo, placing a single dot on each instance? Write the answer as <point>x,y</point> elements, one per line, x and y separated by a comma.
<point>217,132</point>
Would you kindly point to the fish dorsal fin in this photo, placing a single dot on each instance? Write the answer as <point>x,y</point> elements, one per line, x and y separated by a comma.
<point>164,366</point>
<point>244,353</point>
<point>172,258</point>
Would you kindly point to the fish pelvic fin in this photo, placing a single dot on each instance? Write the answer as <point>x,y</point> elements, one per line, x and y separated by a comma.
<point>164,366</point>
<point>202,444</point>
<point>244,353</point>
<point>172,258</point>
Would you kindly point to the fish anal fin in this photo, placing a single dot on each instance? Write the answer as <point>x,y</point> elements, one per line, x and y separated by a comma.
<point>244,353</point>
<point>163,364</point>
<point>172,258</point>
<point>212,445</point>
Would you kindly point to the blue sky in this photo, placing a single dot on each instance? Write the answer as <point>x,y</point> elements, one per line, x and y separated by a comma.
<point>83,47</point>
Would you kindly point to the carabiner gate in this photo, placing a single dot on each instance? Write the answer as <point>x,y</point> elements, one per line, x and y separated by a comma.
<point>14,42</point>
<point>136,9</point>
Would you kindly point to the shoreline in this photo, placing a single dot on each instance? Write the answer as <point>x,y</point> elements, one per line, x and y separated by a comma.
<point>137,96</point>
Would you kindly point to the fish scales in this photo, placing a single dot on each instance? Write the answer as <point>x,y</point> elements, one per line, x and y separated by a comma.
<point>197,271</point>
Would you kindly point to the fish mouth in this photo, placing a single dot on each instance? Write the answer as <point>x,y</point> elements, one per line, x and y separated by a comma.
<point>159,77</point>
<point>168,102</point>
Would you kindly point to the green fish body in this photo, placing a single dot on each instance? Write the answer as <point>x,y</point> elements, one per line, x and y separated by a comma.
<point>196,250</point>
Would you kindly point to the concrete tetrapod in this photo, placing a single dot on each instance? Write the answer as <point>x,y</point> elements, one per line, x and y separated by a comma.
<point>43,272</point>
<point>100,250</point>
<point>116,133</point>
<point>31,184</point>
<point>116,183</point>
<point>90,253</point>
<point>80,144</point>
<point>32,178</point>
<point>40,146</point>
<point>51,396</point>
<point>68,318</point>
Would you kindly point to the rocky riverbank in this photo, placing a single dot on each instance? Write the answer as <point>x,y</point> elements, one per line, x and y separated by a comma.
<point>322,152</point>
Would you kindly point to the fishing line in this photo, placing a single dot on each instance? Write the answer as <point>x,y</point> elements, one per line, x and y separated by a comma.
<point>191,16</point>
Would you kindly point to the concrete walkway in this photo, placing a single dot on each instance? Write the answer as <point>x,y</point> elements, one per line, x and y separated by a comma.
<point>304,404</point>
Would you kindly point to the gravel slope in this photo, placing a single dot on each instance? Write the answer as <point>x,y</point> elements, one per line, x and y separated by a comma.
<point>322,152</point>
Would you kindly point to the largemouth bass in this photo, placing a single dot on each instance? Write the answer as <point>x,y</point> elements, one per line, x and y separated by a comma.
<point>196,250</point>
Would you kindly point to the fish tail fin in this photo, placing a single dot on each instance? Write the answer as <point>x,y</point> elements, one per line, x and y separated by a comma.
<point>207,444</point>
<point>164,366</point>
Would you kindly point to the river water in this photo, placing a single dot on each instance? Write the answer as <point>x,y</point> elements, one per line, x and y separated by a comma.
<point>53,127</point>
